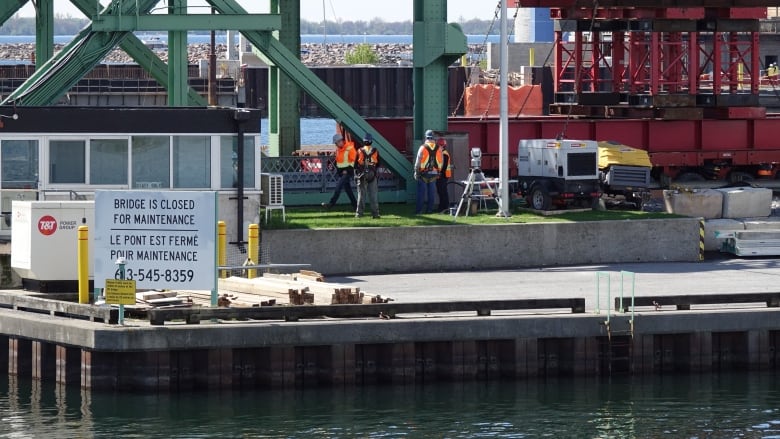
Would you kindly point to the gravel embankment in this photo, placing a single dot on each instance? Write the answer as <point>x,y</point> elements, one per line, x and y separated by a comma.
<point>311,54</point>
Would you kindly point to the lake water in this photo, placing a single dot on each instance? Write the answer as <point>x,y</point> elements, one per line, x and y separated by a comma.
<point>739,405</point>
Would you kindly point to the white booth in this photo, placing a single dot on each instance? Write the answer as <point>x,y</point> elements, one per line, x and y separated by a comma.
<point>44,242</point>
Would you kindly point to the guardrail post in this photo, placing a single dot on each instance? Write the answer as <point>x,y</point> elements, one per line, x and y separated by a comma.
<point>252,249</point>
<point>222,247</point>
<point>83,263</point>
<point>599,276</point>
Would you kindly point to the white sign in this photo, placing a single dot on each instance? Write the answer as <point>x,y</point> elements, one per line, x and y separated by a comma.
<point>166,238</point>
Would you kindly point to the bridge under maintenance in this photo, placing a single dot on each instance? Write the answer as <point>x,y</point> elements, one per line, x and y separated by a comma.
<point>277,38</point>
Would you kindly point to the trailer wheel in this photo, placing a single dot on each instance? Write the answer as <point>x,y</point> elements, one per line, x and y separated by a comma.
<point>540,198</point>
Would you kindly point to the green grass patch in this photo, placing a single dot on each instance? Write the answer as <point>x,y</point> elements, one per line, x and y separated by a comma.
<point>402,215</point>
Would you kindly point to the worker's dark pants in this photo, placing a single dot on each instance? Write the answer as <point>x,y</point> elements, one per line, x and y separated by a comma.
<point>444,196</point>
<point>344,183</point>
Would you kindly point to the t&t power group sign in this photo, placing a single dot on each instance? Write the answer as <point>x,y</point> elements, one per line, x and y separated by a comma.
<point>166,239</point>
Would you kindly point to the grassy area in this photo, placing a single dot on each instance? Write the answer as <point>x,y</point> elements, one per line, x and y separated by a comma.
<point>402,215</point>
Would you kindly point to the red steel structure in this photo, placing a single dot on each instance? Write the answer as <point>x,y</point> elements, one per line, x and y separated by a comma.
<point>679,78</point>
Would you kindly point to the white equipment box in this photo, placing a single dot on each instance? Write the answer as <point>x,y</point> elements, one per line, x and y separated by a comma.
<point>44,238</point>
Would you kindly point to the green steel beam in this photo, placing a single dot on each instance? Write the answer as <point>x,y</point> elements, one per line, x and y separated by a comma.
<point>141,54</point>
<point>47,94</point>
<point>59,73</point>
<point>44,30</point>
<point>161,22</point>
<point>330,102</point>
<point>44,25</point>
<point>281,57</point>
<point>437,45</point>
<point>285,93</point>
<point>9,7</point>
<point>178,58</point>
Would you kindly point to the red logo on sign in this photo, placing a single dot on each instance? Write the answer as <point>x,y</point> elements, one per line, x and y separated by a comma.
<point>47,225</point>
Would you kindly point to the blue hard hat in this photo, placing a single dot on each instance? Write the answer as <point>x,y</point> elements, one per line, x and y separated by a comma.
<point>429,134</point>
<point>368,138</point>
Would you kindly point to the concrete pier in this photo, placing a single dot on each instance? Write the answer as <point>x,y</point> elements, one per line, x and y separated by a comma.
<point>452,346</point>
<point>512,345</point>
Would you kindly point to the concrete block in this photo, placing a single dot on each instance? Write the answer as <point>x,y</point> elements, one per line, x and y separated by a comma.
<point>706,203</point>
<point>746,202</point>
<point>770,223</point>
<point>713,243</point>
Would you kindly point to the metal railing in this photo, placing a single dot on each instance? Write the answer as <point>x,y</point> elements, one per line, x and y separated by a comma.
<point>317,173</point>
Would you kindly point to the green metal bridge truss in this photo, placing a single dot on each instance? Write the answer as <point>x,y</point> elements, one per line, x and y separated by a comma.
<point>276,35</point>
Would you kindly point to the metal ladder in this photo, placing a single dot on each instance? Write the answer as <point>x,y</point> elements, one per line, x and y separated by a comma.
<point>620,332</point>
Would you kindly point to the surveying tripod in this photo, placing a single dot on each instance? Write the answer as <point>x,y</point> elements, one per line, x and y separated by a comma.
<point>475,176</point>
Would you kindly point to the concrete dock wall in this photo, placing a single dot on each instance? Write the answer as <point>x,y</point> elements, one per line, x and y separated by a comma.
<point>300,354</point>
<point>371,250</point>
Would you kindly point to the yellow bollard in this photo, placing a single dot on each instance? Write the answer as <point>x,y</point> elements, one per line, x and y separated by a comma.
<point>83,263</point>
<point>252,250</point>
<point>222,247</point>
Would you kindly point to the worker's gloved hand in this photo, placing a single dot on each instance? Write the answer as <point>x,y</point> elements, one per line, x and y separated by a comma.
<point>416,175</point>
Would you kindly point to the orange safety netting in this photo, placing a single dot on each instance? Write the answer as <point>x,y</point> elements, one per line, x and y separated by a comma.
<point>484,100</point>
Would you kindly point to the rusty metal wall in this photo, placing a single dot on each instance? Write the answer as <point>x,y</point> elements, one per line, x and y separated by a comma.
<point>371,91</point>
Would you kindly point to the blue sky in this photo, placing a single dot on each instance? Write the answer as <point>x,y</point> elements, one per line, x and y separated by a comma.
<point>333,10</point>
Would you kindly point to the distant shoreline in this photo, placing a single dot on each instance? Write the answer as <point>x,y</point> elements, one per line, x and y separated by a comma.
<point>312,54</point>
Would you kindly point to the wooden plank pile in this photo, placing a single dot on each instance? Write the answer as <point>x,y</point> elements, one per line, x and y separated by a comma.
<point>302,288</point>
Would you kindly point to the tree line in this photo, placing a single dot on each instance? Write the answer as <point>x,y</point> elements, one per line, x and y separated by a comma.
<point>67,25</point>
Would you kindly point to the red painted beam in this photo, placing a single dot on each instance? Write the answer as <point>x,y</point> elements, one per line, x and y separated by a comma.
<point>657,4</point>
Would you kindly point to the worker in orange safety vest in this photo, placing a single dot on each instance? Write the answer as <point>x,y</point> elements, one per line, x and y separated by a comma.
<point>444,177</point>
<point>345,166</point>
<point>427,167</point>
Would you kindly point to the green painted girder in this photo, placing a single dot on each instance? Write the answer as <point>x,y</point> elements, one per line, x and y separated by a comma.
<point>62,71</point>
<point>9,7</point>
<point>437,44</point>
<point>178,63</point>
<point>31,93</point>
<point>145,57</point>
<point>277,53</point>
<point>331,102</point>
<point>44,26</point>
<point>161,22</point>
<point>44,29</point>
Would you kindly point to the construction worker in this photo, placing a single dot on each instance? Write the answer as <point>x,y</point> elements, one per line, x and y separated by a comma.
<point>366,177</point>
<point>345,165</point>
<point>444,177</point>
<point>427,166</point>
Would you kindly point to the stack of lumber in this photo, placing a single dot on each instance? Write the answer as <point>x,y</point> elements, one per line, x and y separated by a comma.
<point>161,298</point>
<point>304,287</point>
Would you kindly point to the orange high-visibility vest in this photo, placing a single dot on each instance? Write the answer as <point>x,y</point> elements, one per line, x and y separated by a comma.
<point>345,156</point>
<point>425,157</point>
<point>368,154</point>
<point>447,163</point>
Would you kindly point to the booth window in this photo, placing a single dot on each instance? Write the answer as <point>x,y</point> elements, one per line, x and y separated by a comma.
<point>19,164</point>
<point>228,162</point>
<point>151,162</point>
<point>66,161</point>
<point>192,162</point>
<point>108,161</point>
